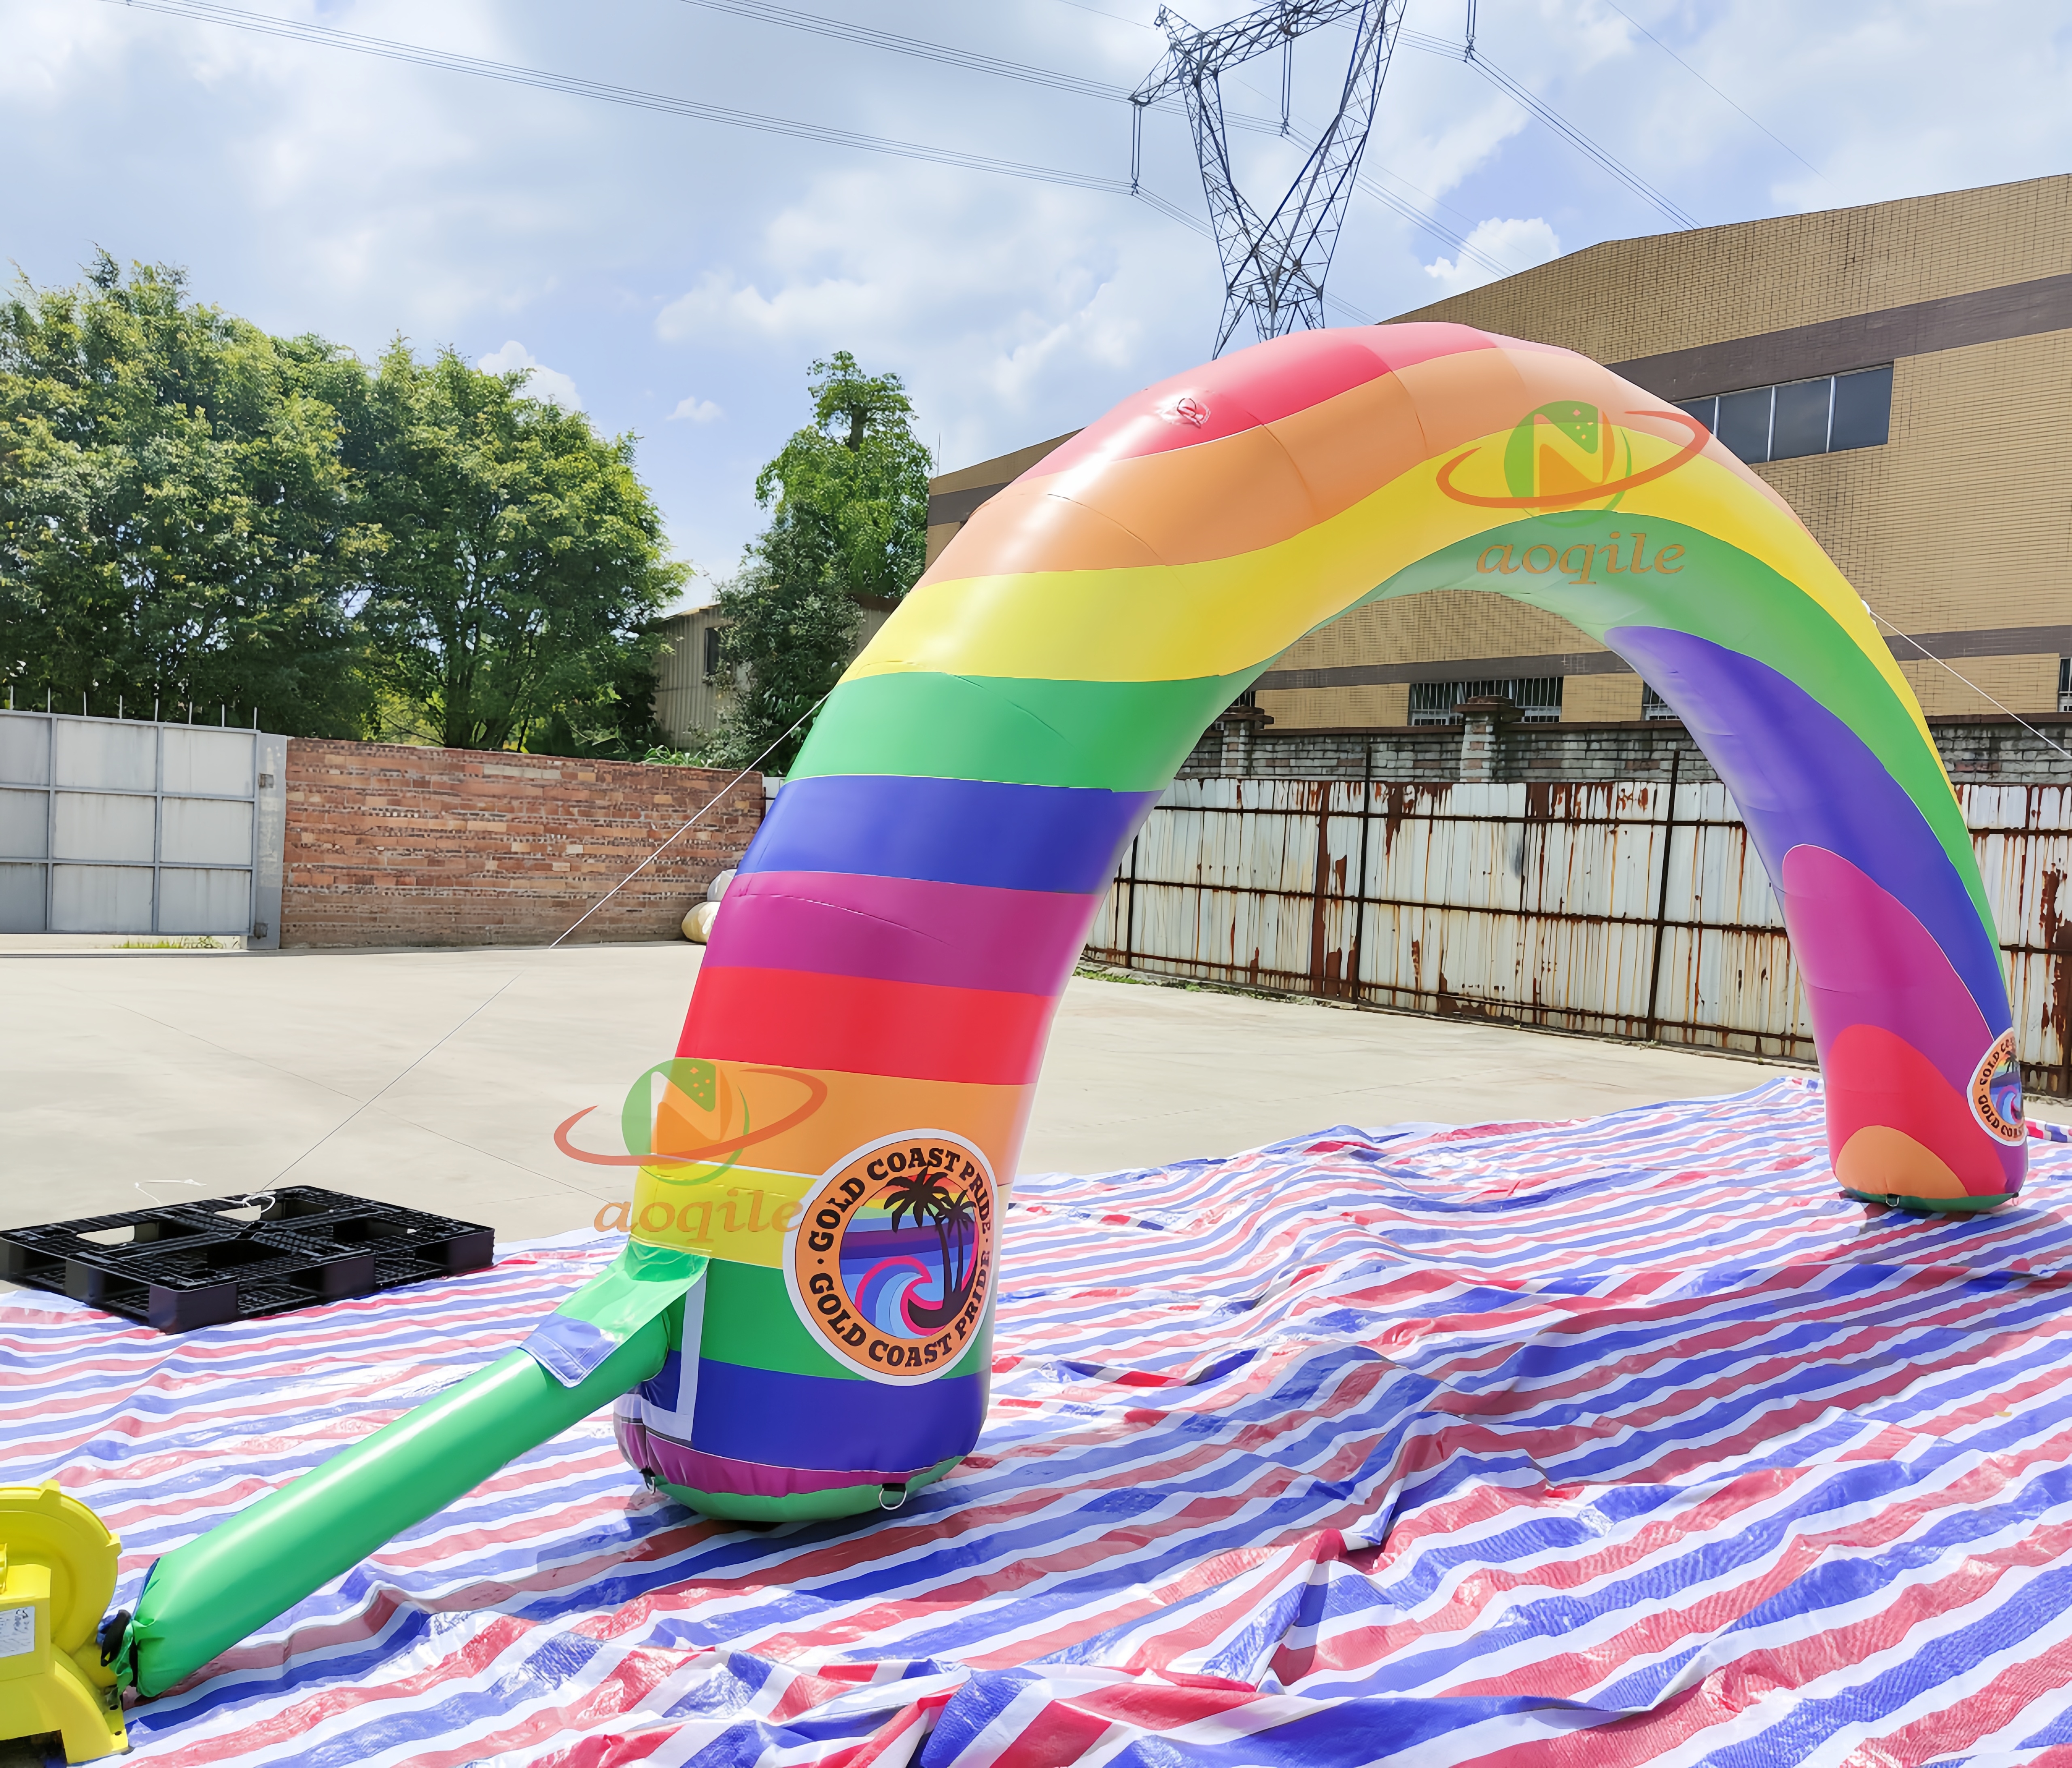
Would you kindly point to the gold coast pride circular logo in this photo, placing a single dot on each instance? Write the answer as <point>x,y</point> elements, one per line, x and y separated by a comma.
<point>1996,1091</point>
<point>890,1264</point>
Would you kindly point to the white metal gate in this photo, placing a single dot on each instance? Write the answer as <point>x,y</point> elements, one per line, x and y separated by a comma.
<point>120,825</point>
<point>1626,907</point>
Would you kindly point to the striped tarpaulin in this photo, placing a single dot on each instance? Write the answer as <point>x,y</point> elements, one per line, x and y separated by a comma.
<point>1604,1443</point>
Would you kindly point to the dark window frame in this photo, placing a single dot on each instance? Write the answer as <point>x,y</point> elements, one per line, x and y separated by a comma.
<point>1707,411</point>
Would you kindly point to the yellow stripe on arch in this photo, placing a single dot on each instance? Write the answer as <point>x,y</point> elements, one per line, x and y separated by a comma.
<point>1162,622</point>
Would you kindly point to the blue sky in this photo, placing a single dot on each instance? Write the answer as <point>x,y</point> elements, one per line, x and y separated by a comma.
<point>675,276</point>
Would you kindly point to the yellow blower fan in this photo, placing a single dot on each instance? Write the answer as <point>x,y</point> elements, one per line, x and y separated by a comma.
<point>57,1572</point>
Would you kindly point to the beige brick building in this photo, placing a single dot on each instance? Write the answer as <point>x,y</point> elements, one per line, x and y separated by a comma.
<point>692,687</point>
<point>1901,373</point>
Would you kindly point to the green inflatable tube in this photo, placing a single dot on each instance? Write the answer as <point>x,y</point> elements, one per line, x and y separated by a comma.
<point>202,1598</point>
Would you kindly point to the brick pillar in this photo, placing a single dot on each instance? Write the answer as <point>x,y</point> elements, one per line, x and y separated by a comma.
<point>1238,727</point>
<point>1482,721</point>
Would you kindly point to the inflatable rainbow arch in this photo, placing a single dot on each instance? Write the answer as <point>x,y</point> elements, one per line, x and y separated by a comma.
<point>801,1324</point>
<point>895,943</point>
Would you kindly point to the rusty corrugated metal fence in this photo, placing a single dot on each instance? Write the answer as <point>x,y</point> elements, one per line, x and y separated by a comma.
<point>1631,909</point>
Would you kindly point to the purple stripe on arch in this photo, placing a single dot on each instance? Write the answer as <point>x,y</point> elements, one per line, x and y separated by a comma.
<point>1801,777</point>
<point>903,930</point>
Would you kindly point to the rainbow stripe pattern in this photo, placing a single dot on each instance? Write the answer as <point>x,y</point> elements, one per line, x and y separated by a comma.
<point>916,898</point>
<point>1528,1446</point>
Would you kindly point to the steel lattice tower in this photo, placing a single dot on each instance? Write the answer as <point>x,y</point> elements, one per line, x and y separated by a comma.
<point>1274,266</point>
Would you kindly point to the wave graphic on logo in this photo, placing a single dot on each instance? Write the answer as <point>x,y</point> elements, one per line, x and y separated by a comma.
<point>1529,467</point>
<point>884,1293</point>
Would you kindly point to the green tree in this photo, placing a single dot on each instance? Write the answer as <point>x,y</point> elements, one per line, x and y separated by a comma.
<point>849,501</point>
<point>516,599</point>
<point>858,475</point>
<point>176,524</point>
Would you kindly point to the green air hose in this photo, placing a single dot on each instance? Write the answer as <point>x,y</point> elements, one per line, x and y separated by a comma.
<point>202,1598</point>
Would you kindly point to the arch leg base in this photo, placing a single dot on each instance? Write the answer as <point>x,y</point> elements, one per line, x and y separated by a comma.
<point>1940,1206</point>
<point>804,1507</point>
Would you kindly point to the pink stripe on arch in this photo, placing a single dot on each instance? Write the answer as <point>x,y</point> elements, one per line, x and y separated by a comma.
<point>902,930</point>
<point>697,1471</point>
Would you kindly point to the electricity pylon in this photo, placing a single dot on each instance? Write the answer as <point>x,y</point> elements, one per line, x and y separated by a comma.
<point>1274,266</point>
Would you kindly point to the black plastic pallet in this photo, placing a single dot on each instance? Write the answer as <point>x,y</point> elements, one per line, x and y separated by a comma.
<point>181,1265</point>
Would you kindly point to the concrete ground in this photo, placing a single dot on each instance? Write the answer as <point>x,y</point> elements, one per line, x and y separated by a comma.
<point>435,1079</point>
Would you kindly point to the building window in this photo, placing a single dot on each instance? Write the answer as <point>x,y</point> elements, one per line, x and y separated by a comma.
<point>2065,683</point>
<point>1539,697</point>
<point>1822,415</point>
<point>713,665</point>
<point>1653,705</point>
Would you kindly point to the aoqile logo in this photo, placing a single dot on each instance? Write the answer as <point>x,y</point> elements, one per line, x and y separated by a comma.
<point>1568,454</point>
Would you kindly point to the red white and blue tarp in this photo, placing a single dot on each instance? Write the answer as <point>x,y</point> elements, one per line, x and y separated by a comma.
<point>1622,1441</point>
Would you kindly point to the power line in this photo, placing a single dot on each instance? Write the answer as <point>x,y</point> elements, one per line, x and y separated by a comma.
<point>1409,212</point>
<point>1363,180</point>
<point>1715,91</point>
<point>570,85</point>
<point>792,18</point>
<point>1552,118</point>
<point>945,55</point>
<point>389,49</point>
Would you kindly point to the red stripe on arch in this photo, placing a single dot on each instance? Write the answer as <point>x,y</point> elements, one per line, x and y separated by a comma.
<point>1258,386</point>
<point>865,1025</point>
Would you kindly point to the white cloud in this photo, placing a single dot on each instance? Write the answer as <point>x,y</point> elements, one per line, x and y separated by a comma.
<point>541,382</point>
<point>1011,314</point>
<point>1517,244</point>
<point>693,409</point>
<point>363,199</point>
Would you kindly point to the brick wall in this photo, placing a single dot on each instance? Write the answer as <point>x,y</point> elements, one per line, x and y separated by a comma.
<point>389,845</point>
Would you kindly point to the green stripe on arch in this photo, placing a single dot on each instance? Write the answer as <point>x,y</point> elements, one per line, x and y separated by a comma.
<point>1116,736</point>
<point>1719,593</point>
<point>750,1320</point>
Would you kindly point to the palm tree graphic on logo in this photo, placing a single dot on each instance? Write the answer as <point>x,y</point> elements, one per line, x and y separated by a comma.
<point>920,1195</point>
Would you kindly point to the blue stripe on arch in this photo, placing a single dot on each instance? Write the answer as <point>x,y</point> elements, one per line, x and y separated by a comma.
<point>951,831</point>
<point>822,1423</point>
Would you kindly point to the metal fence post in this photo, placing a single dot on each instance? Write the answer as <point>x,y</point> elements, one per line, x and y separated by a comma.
<point>1662,893</point>
<point>1353,955</point>
<point>1129,908</point>
<point>1320,894</point>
